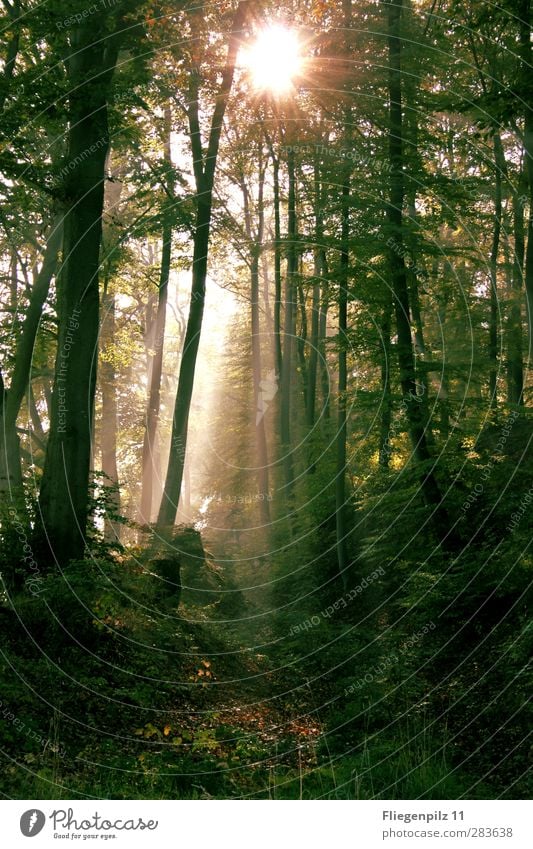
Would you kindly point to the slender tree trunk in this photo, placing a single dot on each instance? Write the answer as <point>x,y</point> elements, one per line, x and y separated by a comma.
<point>515,363</point>
<point>344,282</point>
<point>322,336</point>
<point>301,341</point>
<point>63,500</point>
<point>156,370</point>
<point>443,396</point>
<point>288,333</point>
<point>318,283</point>
<point>269,320</point>
<point>108,439</point>
<point>398,273</point>
<point>342,428</point>
<point>10,469</point>
<point>255,240</point>
<point>493,323</point>
<point>10,460</point>
<point>261,440</point>
<point>513,334</point>
<point>421,359</point>
<point>277,270</point>
<point>204,172</point>
<point>312,370</point>
<point>36,424</point>
<point>13,279</point>
<point>385,448</point>
<point>176,461</point>
<point>524,15</point>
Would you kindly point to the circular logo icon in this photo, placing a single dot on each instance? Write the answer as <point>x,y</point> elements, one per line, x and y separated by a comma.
<point>32,822</point>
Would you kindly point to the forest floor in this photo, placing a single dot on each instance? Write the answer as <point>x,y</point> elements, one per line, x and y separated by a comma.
<point>110,699</point>
<point>148,707</point>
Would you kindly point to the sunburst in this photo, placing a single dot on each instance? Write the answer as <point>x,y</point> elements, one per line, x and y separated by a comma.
<point>274,59</point>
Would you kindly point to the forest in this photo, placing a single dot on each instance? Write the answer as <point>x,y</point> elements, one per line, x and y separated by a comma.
<point>266,320</point>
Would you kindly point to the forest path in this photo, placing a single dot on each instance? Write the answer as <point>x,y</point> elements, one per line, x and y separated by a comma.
<point>252,727</point>
<point>244,707</point>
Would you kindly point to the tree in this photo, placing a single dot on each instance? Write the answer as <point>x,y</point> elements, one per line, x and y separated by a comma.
<point>10,466</point>
<point>204,163</point>
<point>526,90</point>
<point>402,311</point>
<point>254,235</point>
<point>63,499</point>
<point>154,399</point>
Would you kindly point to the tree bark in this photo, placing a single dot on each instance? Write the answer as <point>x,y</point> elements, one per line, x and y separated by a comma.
<point>63,500</point>
<point>156,370</point>
<point>342,427</point>
<point>526,91</point>
<point>493,323</point>
<point>322,337</point>
<point>515,353</point>
<point>344,282</point>
<point>318,285</point>
<point>204,172</point>
<point>255,240</point>
<point>277,270</point>
<point>421,363</point>
<point>10,468</point>
<point>385,448</point>
<point>301,341</point>
<point>109,421</point>
<point>395,242</point>
<point>288,331</point>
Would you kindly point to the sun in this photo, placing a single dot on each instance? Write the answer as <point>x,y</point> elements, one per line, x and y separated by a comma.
<point>273,60</point>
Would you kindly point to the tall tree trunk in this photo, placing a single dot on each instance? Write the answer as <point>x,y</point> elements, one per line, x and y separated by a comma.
<point>515,363</point>
<point>288,330</point>
<point>255,240</point>
<point>385,448</point>
<point>301,341</point>
<point>318,286</point>
<point>398,273</point>
<point>513,334</point>
<point>344,282</point>
<point>156,370</point>
<point>63,500</point>
<point>495,249</point>
<point>269,319</point>
<point>36,424</point>
<point>204,173</point>
<point>10,470</point>
<point>262,450</point>
<point>277,270</point>
<point>342,429</point>
<point>322,336</point>
<point>443,396</point>
<point>524,14</point>
<point>108,441</point>
<point>421,361</point>
<point>180,423</point>
<point>312,371</point>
